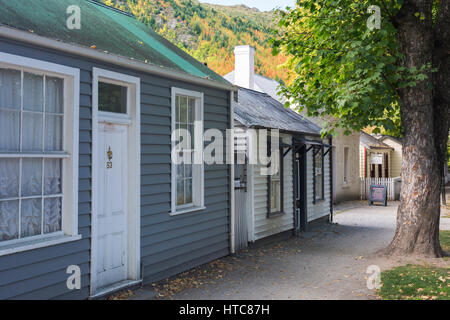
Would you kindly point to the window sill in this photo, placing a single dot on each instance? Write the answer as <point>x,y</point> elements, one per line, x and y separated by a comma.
<point>36,244</point>
<point>186,210</point>
<point>275,214</point>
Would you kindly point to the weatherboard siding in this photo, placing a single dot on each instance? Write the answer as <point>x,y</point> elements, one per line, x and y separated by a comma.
<point>320,208</point>
<point>41,273</point>
<point>169,244</point>
<point>395,160</point>
<point>264,226</point>
<point>172,244</point>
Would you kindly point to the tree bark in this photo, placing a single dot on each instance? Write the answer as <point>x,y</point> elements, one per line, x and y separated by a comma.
<point>417,231</point>
<point>441,83</point>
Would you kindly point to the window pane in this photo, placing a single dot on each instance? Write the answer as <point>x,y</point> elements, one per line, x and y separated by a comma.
<point>345,164</point>
<point>319,194</point>
<point>52,215</point>
<point>276,164</point>
<point>190,129</point>
<point>180,171</point>
<point>177,136</point>
<point>188,190</point>
<point>112,98</point>
<point>319,159</point>
<point>188,170</point>
<point>180,191</point>
<point>275,195</point>
<point>318,174</point>
<point>183,109</point>
<point>52,176</point>
<point>31,177</point>
<point>183,135</point>
<point>30,221</point>
<point>53,133</point>
<point>53,95</point>
<point>177,109</point>
<point>33,92</point>
<point>9,130</point>
<point>9,89</point>
<point>32,131</point>
<point>9,220</point>
<point>191,110</point>
<point>9,178</point>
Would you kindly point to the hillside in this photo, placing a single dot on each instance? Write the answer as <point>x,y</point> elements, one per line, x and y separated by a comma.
<point>210,32</point>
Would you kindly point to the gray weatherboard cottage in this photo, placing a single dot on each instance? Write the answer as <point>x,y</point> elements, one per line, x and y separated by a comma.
<point>62,222</point>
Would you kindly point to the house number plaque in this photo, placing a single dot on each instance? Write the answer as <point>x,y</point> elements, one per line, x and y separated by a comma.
<point>109,162</point>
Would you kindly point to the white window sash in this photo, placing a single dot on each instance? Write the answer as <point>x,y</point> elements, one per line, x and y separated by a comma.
<point>197,170</point>
<point>69,157</point>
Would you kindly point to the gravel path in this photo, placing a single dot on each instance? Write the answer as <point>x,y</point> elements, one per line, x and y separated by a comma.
<point>329,262</point>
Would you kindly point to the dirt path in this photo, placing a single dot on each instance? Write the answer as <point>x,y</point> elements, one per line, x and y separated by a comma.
<point>329,262</point>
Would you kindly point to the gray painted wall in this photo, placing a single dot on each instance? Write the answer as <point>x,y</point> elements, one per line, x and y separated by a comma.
<point>169,245</point>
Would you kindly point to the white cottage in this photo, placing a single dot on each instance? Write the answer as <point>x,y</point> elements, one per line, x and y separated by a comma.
<point>287,199</point>
<point>346,181</point>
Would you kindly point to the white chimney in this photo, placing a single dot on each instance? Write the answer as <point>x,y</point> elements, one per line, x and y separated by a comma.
<point>244,67</point>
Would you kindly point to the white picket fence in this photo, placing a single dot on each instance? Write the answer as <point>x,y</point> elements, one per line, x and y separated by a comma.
<point>367,182</point>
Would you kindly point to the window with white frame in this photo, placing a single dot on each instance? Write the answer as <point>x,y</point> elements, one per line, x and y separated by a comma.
<point>187,144</point>
<point>318,167</point>
<point>36,164</point>
<point>275,179</point>
<point>276,186</point>
<point>346,164</point>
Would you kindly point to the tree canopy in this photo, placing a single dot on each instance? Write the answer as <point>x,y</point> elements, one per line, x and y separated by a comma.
<point>345,67</point>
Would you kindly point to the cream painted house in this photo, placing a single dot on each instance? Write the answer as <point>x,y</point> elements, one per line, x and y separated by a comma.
<point>346,182</point>
<point>380,156</point>
<point>396,154</point>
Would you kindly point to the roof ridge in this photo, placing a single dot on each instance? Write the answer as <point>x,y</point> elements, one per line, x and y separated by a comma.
<point>101,4</point>
<point>256,91</point>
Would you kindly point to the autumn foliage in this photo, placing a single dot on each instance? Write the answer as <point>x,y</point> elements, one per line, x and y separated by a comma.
<point>210,32</point>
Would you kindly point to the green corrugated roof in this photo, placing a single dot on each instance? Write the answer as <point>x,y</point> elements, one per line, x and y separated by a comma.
<point>106,29</point>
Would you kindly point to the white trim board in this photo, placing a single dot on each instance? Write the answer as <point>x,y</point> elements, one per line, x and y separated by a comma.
<point>134,161</point>
<point>231,153</point>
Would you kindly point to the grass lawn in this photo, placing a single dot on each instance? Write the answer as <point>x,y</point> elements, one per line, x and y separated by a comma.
<point>417,282</point>
<point>444,238</point>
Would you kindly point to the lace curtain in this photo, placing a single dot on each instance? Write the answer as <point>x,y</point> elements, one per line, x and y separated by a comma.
<point>30,188</point>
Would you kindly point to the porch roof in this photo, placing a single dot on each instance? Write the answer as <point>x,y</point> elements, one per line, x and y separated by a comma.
<point>373,143</point>
<point>258,109</point>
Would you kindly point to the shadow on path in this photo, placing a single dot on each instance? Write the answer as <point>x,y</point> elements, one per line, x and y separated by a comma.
<point>329,262</point>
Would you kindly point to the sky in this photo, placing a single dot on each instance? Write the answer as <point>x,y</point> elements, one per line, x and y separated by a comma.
<point>263,5</point>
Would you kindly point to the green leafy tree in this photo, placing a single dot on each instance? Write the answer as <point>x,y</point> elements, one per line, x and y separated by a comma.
<point>394,76</point>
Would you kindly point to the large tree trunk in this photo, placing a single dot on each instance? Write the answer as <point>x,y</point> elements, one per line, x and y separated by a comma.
<point>417,231</point>
<point>441,82</point>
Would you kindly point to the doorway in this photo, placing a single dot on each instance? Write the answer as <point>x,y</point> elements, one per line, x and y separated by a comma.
<point>115,219</point>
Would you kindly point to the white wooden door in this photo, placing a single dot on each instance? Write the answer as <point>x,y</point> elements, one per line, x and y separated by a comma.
<point>112,204</point>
